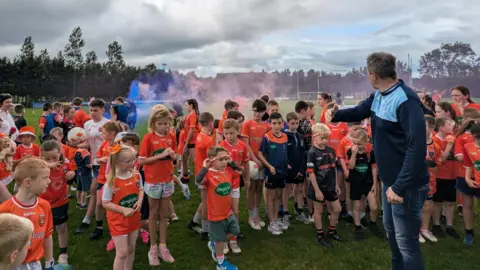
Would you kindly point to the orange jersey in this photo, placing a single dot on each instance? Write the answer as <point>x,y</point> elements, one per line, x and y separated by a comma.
<point>469,105</point>
<point>160,171</point>
<point>202,145</point>
<point>23,151</point>
<point>4,174</point>
<point>471,159</point>
<point>239,155</point>
<point>57,191</point>
<point>40,214</point>
<point>322,115</point>
<point>458,150</point>
<point>342,148</point>
<point>191,122</point>
<point>181,141</point>
<point>79,118</point>
<point>219,188</point>
<point>103,151</point>
<point>69,153</point>
<point>255,132</point>
<point>434,153</point>
<point>123,193</point>
<point>338,131</point>
<point>446,170</point>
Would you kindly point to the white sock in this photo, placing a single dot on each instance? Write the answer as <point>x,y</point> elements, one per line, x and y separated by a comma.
<point>255,212</point>
<point>362,215</point>
<point>197,217</point>
<point>350,213</point>
<point>86,220</point>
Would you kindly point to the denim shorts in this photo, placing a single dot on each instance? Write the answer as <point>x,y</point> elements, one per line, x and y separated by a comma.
<point>464,188</point>
<point>84,181</point>
<point>160,190</point>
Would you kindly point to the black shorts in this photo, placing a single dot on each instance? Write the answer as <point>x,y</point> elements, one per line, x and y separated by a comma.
<point>99,186</point>
<point>329,194</point>
<point>339,166</point>
<point>446,191</point>
<point>84,181</point>
<point>190,145</point>
<point>60,214</point>
<point>275,181</point>
<point>294,179</point>
<point>357,190</point>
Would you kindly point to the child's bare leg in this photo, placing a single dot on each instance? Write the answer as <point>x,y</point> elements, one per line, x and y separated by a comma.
<point>163,217</point>
<point>153,218</point>
<point>271,205</point>
<point>131,243</point>
<point>426,215</point>
<point>62,236</point>
<point>356,212</point>
<point>286,195</point>
<point>372,202</point>
<point>277,202</point>
<point>121,252</point>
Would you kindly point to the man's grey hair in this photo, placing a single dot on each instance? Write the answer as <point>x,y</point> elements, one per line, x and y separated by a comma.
<point>383,65</point>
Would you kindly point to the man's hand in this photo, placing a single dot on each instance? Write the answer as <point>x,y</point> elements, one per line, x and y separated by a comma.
<point>392,197</point>
<point>330,114</point>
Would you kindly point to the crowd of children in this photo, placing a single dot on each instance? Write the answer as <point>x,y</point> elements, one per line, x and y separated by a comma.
<point>130,180</point>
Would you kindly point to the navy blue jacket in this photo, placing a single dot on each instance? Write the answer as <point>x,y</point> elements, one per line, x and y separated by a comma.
<point>399,136</point>
<point>296,153</point>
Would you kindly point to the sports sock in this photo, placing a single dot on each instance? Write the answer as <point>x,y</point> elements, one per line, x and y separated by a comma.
<point>332,230</point>
<point>87,220</point>
<point>197,217</point>
<point>220,259</point>
<point>100,224</point>
<point>320,233</point>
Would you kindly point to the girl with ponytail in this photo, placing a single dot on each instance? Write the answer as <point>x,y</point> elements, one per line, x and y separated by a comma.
<point>122,198</point>
<point>191,131</point>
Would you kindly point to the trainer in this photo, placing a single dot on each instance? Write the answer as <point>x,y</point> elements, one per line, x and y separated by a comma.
<point>399,141</point>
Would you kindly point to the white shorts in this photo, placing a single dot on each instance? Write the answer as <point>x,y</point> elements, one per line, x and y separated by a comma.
<point>261,175</point>
<point>29,266</point>
<point>236,193</point>
<point>7,180</point>
<point>160,190</point>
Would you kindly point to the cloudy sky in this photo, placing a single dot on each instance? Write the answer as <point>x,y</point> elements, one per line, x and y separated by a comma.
<point>211,36</point>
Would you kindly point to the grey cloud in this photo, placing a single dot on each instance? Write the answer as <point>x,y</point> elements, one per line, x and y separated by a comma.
<point>44,20</point>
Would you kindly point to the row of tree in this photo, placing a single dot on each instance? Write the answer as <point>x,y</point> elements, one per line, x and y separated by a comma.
<point>73,72</point>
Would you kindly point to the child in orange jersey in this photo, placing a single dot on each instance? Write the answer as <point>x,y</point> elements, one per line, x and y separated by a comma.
<point>191,132</point>
<point>27,148</point>
<point>238,151</point>
<point>363,179</point>
<point>230,105</point>
<point>470,115</point>
<point>434,153</point>
<point>203,143</point>
<point>67,153</point>
<point>253,132</point>
<point>109,132</point>
<point>323,188</point>
<point>32,177</point>
<point>343,146</point>
<point>131,139</point>
<point>181,143</point>
<point>471,186</point>
<point>122,197</point>
<point>57,193</point>
<point>216,176</point>
<point>446,178</point>
<point>15,234</point>
<point>338,131</point>
<point>157,152</point>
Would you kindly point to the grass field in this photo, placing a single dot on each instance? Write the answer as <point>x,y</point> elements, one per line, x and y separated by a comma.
<point>295,249</point>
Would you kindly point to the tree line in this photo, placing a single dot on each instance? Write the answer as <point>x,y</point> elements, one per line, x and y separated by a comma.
<point>73,72</point>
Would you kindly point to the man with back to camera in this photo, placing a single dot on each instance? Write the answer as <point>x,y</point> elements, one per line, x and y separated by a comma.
<point>399,139</point>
